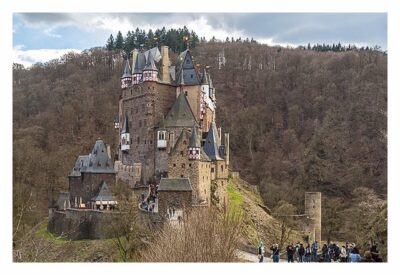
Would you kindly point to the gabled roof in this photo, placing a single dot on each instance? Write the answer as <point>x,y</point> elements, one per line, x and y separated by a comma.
<point>180,114</point>
<point>194,138</point>
<point>99,162</point>
<point>184,134</point>
<point>127,70</point>
<point>125,127</point>
<point>211,146</point>
<point>104,193</point>
<point>175,184</point>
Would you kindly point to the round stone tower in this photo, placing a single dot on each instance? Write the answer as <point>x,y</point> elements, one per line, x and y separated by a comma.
<point>313,212</point>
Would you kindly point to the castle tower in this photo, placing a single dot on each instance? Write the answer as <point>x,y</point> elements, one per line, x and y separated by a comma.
<point>126,79</point>
<point>125,136</point>
<point>313,212</point>
<point>194,145</point>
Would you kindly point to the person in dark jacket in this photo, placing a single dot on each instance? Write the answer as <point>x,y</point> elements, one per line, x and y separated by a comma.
<point>325,253</point>
<point>367,257</point>
<point>290,250</point>
<point>275,253</point>
<point>301,253</point>
<point>307,254</point>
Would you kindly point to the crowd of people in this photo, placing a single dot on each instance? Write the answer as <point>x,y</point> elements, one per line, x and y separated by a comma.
<point>329,252</point>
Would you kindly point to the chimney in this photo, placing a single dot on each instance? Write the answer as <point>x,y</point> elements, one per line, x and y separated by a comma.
<point>109,151</point>
<point>134,56</point>
<point>227,148</point>
<point>165,75</point>
<point>220,135</point>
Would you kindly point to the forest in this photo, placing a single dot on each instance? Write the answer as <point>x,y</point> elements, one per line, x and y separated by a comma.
<point>299,119</point>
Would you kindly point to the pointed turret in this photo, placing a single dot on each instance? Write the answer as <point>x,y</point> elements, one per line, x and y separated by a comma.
<point>126,79</point>
<point>194,145</point>
<point>150,71</point>
<point>125,135</point>
<point>212,144</point>
<point>140,63</point>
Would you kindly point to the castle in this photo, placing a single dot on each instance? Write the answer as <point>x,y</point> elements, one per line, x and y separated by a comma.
<point>170,151</point>
<point>167,131</point>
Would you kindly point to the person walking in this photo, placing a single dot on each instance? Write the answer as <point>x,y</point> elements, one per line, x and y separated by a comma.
<point>343,254</point>
<point>307,255</point>
<point>261,251</point>
<point>301,252</point>
<point>325,253</point>
<point>314,251</point>
<point>290,250</point>
<point>275,253</point>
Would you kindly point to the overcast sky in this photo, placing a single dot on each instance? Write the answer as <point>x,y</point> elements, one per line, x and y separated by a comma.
<point>44,36</point>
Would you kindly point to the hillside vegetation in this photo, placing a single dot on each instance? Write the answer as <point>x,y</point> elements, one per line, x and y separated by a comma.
<point>299,120</point>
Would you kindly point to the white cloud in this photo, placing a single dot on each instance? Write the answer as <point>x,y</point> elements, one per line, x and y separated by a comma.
<point>30,57</point>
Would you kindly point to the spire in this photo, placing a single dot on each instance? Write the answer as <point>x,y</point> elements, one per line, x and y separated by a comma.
<point>204,77</point>
<point>125,128</point>
<point>150,65</point>
<point>194,141</point>
<point>127,70</point>
<point>211,146</point>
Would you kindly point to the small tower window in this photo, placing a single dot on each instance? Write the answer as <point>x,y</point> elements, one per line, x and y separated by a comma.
<point>181,176</point>
<point>174,165</point>
<point>186,93</point>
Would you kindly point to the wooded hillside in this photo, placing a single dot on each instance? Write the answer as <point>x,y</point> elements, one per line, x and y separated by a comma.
<point>300,120</point>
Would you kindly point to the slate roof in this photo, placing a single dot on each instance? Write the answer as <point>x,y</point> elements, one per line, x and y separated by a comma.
<point>81,164</point>
<point>150,65</point>
<point>140,63</point>
<point>204,77</point>
<point>180,114</point>
<point>203,155</point>
<point>127,70</point>
<point>175,184</point>
<point>186,73</point>
<point>194,138</point>
<point>211,146</point>
<point>125,127</point>
<point>99,162</point>
<point>104,193</point>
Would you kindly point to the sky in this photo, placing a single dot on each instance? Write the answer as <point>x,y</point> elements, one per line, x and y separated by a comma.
<point>39,37</point>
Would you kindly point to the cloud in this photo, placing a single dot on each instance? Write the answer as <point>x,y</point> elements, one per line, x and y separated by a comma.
<point>30,57</point>
<point>278,28</point>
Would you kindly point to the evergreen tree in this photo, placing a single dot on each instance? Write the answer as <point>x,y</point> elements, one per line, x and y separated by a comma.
<point>119,42</point>
<point>110,43</point>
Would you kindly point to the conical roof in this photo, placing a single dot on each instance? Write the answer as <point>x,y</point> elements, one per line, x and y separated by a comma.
<point>127,70</point>
<point>150,65</point>
<point>181,114</point>
<point>211,146</point>
<point>140,63</point>
<point>194,140</point>
<point>204,77</point>
<point>125,127</point>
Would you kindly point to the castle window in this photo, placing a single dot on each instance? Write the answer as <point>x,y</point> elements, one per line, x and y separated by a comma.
<point>183,165</point>
<point>186,93</point>
<point>212,170</point>
<point>182,153</point>
<point>174,165</point>
<point>181,176</point>
<point>222,168</point>
<point>190,165</point>
<point>191,76</point>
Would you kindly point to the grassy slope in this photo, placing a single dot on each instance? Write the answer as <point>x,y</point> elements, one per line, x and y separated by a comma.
<point>257,223</point>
